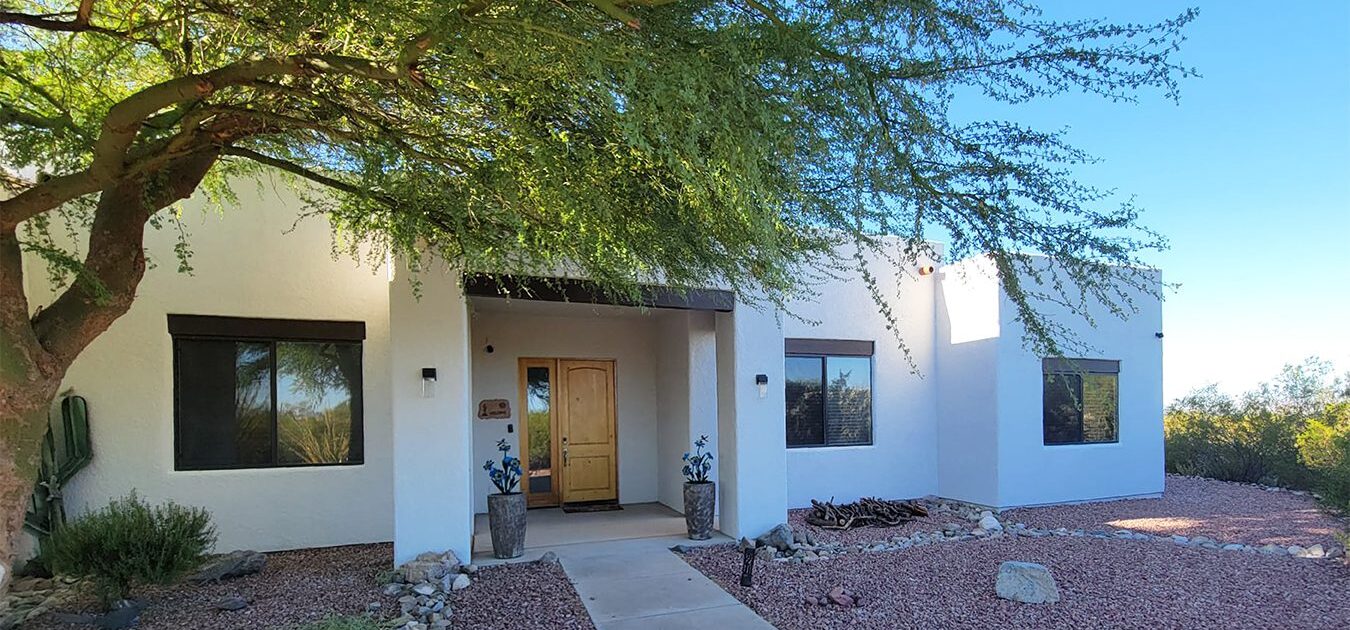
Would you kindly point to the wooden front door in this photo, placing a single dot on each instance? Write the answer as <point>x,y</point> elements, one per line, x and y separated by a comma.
<point>586,431</point>
<point>569,431</point>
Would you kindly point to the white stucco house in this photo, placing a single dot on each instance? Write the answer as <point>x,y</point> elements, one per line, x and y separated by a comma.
<point>310,400</point>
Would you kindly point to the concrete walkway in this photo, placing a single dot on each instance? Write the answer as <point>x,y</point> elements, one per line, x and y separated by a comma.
<point>640,584</point>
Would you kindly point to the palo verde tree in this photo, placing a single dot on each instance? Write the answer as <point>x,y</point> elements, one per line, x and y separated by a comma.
<point>741,141</point>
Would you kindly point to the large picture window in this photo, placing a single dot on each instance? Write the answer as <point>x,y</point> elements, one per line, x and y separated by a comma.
<point>1080,401</point>
<point>829,392</point>
<point>257,393</point>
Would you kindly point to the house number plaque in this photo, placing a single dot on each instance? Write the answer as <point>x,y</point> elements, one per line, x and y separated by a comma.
<point>494,409</point>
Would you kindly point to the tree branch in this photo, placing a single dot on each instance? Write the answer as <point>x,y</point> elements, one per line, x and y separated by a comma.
<point>125,119</point>
<point>116,256</point>
<point>296,169</point>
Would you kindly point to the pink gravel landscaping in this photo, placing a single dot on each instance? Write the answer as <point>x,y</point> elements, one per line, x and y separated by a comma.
<point>298,587</point>
<point>1104,583</point>
<point>1192,506</point>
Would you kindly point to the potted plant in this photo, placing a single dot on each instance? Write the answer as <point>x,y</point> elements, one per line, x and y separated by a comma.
<point>506,509</point>
<point>700,494</point>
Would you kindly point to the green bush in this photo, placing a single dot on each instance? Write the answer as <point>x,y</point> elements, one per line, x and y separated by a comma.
<point>342,623</point>
<point>1324,447</point>
<point>1291,432</point>
<point>1212,435</point>
<point>130,542</point>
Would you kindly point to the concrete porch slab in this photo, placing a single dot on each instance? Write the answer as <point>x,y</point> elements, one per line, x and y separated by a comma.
<point>551,527</point>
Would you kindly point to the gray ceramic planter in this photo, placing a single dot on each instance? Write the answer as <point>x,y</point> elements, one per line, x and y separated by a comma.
<point>700,501</point>
<point>506,520</point>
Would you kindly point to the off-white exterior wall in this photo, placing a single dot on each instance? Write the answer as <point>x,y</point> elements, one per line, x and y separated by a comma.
<point>433,459</point>
<point>1031,473</point>
<point>991,433</point>
<point>249,263</point>
<point>672,403</point>
<point>967,353</point>
<point>625,335</point>
<point>750,430</point>
<point>902,459</point>
<point>686,397</point>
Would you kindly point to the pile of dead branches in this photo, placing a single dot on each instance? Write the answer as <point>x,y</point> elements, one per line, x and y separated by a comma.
<point>867,512</point>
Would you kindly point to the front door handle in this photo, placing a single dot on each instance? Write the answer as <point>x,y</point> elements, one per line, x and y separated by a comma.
<point>564,457</point>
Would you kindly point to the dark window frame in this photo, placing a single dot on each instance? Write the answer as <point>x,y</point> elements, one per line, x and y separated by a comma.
<point>824,349</point>
<point>272,332</point>
<point>1081,367</point>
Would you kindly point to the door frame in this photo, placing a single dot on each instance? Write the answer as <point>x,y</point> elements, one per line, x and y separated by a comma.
<point>557,394</point>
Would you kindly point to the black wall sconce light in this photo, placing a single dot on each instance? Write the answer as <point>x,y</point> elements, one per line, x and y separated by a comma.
<point>762,380</point>
<point>428,382</point>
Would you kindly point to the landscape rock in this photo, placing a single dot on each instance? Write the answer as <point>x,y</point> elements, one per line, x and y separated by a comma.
<point>461,582</point>
<point>125,614</point>
<point>429,566</point>
<point>1272,549</point>
<point>840,597</point>
<point>234,564</point>
<point>780,537</point>
<point>232,603</point>
<point>990,523</point>
<point>549,558</point>
<point>1315,551</point>
<point>1026,582</point>
<point>745,543</point>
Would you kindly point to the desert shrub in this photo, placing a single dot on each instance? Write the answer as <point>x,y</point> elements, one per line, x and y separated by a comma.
<point>131,542</point>
<point>1324,447</point>
<point>1212,435</point>
<point>1255,437</point>
<point>347,622</point>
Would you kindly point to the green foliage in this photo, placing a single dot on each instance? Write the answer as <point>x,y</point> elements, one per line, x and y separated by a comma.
<point>130,542</point>
<point>1292,432</point>
<point>342,622</point>
<point>1324,447</point>
<point>756,145</point>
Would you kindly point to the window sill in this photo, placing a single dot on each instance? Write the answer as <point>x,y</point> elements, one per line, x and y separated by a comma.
<point>270,468</point>
<point>840,447</point>
<point>1081,444</point>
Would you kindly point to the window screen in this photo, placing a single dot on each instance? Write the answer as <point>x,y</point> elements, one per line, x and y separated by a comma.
<point>1080,401</point>
<point>253,398</point>
<point>829,396</point>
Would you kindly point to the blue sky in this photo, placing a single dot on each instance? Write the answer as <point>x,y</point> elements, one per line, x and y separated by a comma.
<point>1248,177</point>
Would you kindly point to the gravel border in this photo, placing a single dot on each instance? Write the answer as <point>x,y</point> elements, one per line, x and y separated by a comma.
<point>1104,583</point>
<point>1194,506</point>
<point>308,585</point>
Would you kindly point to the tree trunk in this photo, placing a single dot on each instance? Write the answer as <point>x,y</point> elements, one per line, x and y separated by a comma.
<point>36,349</point>
<point>29,377</point>
<point>20,452</point>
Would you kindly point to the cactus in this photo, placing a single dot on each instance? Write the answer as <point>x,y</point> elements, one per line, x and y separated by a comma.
<point>46,509</point>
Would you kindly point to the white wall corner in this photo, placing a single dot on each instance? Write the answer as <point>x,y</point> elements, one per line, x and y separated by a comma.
<point>433,503</point>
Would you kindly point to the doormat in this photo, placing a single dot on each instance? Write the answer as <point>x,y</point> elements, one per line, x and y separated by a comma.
<point>605,506</point>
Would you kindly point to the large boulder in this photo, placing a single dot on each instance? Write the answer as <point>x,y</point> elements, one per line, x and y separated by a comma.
<point>228,566</point>
<point>1026,582</point>
<point>780,537</point>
